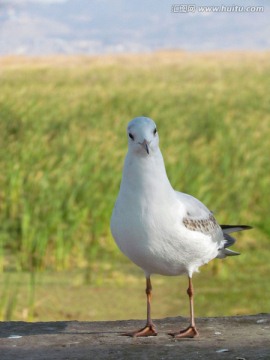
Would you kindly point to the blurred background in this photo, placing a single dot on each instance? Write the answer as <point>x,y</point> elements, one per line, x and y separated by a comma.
<point>72,75</point>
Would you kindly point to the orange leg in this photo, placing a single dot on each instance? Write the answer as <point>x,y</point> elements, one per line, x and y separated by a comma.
<point>190,331</point>
<point>149,329</point>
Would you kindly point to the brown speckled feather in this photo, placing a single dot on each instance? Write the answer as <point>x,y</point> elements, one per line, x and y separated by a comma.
<point>206,226</point>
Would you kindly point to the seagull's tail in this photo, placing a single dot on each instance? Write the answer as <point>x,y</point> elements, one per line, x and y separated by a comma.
<point>229,240</point>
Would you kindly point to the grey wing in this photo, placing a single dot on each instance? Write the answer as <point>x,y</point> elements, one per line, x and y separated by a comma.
<point>199,218</point>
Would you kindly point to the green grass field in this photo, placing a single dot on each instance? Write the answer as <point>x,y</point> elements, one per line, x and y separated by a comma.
<point>63,142</point>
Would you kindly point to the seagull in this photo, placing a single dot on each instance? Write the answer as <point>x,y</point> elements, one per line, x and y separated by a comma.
<point>161,230</point>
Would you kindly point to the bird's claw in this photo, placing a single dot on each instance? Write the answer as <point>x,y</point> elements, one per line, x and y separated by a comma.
<point>148,330</point>
<point>189,332</point>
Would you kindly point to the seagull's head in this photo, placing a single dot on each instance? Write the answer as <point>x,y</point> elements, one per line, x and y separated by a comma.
<point>142,136</point>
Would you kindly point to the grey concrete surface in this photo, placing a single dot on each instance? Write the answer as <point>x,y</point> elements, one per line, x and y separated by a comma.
<point>239,337</point>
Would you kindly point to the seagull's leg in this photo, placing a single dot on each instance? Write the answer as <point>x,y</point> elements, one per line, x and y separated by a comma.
<point>149,329</point>
<point>190,331</point>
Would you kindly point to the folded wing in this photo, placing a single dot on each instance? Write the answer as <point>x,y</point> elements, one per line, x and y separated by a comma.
<point>199,218</point>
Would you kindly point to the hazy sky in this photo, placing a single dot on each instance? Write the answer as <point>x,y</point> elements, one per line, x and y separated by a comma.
<point>38,27</point>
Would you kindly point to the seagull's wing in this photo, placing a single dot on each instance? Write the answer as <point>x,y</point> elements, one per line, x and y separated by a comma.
<point>198,217</point>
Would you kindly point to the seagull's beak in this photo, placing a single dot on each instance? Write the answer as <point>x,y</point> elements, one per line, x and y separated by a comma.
<point>145,145</point>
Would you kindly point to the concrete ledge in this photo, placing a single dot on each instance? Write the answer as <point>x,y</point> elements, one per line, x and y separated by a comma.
<point>239,337</point>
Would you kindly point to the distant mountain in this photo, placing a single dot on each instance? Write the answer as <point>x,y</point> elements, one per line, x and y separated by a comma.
<point>41,27</point>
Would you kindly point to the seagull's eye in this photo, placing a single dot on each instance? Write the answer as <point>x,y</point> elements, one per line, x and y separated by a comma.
<point>131,136</point>
<point>155,131</point>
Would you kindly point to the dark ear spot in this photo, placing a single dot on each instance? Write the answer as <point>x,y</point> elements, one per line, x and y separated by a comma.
<point>131,136</point>
<point>155,131</point>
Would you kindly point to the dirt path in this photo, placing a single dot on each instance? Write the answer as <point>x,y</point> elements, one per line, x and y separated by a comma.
<point>243,337</point>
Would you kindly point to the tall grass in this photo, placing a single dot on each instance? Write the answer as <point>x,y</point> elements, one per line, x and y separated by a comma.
<point>62,125</point>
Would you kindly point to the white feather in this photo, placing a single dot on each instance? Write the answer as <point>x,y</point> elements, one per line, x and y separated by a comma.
<point>148,219</point>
